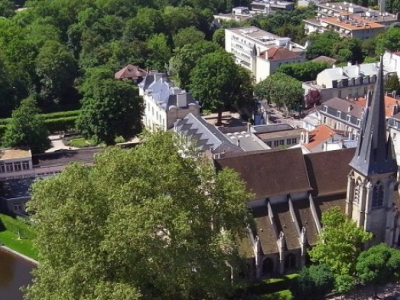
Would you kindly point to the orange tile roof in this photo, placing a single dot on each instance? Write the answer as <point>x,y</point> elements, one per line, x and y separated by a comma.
<point>348,26</point>
<point>319,135</point>
<point>280,53</point>
<point>390,103</point>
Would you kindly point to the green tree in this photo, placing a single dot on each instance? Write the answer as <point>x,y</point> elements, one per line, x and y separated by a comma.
<point>188,35</point>
<point>378,265</point>
<point>313,283</point>
<point>388,40</point>
<point>219,37</point>
<point>219,84</point>
<point>7,8</point>
<point>159,52</point>
<point>148,21</point>
<point>349,50</point>
<point>303,71</point>
<point>322,44</point>
<point>110,108</point>
<point>393,84</point>
<point>186,58</point>
<point>280,89</point>
<point>147,221</point>
<point>338,246</point>
<point>56,69</point>
<point>27,129</point>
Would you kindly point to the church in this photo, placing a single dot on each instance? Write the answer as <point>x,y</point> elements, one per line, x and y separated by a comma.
<point>292,190</point>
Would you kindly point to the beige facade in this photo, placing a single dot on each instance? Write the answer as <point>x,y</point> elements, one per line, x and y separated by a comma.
<point>15,163</point>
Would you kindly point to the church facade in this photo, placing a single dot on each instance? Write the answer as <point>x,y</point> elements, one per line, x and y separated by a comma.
<point>292,191</point>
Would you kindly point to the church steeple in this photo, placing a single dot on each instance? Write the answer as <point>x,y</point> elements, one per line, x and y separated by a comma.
<point>374,154</point>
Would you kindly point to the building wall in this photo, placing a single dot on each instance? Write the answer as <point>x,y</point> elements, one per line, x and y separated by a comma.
<point>16,168</point>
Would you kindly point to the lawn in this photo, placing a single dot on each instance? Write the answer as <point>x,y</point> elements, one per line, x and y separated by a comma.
<point>281,295</point>
<point>9,228</point>
<point>80,142</point>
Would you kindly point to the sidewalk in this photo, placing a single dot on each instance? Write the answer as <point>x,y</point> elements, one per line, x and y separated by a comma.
<point>389,292</point>
<point>57,143</point>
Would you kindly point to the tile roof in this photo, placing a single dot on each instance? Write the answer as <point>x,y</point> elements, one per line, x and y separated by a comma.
<point>265,230</point>
<point>319,135</point>
<point>130,72</point>
<point>391,104</point>
<point>305,218</point>
<point>349,26</point>
<point>331,61</point>
<point>14,153</point>
<point>281,53</point>
<point>16,188</point>
<point>285,223</point>
<point>322,204</point>
<point>269,173</point>
<point>280,134</point>
<point>320,166</point>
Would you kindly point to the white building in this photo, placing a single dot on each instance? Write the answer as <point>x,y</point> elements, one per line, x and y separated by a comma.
<point>164,102</point>
<point>261,52</point>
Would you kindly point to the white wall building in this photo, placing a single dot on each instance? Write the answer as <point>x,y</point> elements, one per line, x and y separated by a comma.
<point>261,52</point>
<point>164,102</point>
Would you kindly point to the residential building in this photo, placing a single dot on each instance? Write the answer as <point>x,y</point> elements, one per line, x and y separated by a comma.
<point>279,135</point>
<point>324,138</point>
<point>131,72</point>
<point>329,60</point>
<point>349,81</point>
<point>292,190</point>
<point>15,163</point>
<point>164,102</point>
<point>261,52</point>
<point>311,120</point>
<point>268,7</point>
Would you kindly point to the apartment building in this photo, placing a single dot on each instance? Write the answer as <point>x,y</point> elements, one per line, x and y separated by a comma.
<point>165,103</point>
<point>261,52</point>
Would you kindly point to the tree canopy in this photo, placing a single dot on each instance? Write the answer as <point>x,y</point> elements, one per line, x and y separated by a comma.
<point>218,83</point>
<point>393,84</point>
<point>27,129</point>
<point>142,223</point>
<point>305,71</point>
<point>110,108</point>
<point>338,247</point>
<point>280,89</point>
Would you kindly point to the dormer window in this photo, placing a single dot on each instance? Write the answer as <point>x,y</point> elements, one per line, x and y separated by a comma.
<point>348,118</point>
<point>338,114</point>
<point>325,108</point>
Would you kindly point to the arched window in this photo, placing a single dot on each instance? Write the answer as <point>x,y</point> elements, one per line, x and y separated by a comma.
<point>357,190</point>
<point>290,261</point>
<point>377,195</point>
<point>267,266</point>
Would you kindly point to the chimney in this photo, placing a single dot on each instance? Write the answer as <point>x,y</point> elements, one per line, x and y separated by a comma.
<point>238,142</point>
<point>349,63</point>
<point>350,108</point>
<point>181,100</point>
<point>333,66</point>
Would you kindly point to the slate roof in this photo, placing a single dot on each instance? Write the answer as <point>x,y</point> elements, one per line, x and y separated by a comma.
<point>130,72</point>
<point>272,128</point>
<point>305,218</point>
<point>322,204</point>
<point>285,223</point>
<point>320,166</point>
<point>331,61</point>
<point>375,153</point>
<point>265,230</point>
<point>16,188</point>
<point>204,134</point>
<point>269,173</point>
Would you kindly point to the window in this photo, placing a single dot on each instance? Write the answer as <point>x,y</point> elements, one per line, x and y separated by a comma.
<point>2,168</point>
<point>9,167</point>
<point>377,195</point>
<point>282,142</point>
<point>338,114</point>
<point>17,166</point>
<point>357,190</point>
<point>294,141</point>
<point>25,165</point>
<point>289,141</point>
<point>152,111</point>
<point>324,120</point>
<point>325,108</point>
<point>276,143</point>
<point>269,144</point>
<point>17,207</point>
<point>394,137</point>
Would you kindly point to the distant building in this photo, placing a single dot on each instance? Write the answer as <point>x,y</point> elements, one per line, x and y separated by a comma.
<point>165,103</point>
<point>261,52</point>
<point>279,135</point>
<point>271,6</point>
<point>131,72</point>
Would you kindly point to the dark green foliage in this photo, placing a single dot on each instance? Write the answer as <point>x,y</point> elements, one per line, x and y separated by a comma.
<point>110,108</point>
<point>60,124</point>
<point>219,37</point>
<point>388,40</point>
<point>27,129</point>
<point>219,84</point>
<point>186,36</point>
<point>393,84</point>
<point>303,71</point>
<point>313,283</point>
<point>322,44</point>
<point>378,265</point>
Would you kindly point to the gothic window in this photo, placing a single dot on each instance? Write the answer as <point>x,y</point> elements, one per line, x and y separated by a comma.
<point>377,195</point>
<point>357,190</point>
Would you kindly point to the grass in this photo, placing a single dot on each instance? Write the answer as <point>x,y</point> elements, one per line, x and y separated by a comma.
<point>80,142</point>
<point>281,295</point>
<point>9,228</point>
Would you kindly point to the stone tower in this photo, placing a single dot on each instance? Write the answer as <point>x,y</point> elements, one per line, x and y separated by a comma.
<point>372,179</point>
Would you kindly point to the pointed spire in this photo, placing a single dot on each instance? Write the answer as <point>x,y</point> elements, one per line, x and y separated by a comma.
<point>374,153</point>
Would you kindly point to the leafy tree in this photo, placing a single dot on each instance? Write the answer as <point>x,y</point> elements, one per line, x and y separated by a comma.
<point>378,265</point>
<point>148,21</point>
<point>176,18</point>
<point>349,50</point>
<point>393,84</point>
<point>219,37</point>
<point>322,44</point>
<point>312,98</point>
<point>189,35</point>
<point>147,221</point>
<point>313,283</point>
<point>303,71</point>
<point>110,108</point>
<point>159,52</point>
<point>219,84</point>
<point>338,246</point>
<point>388,40</point>
<point>26,129</point>
<point>56,69</point>
<point>7,8</point>
<point>186,58</point>
<point>280,89</point>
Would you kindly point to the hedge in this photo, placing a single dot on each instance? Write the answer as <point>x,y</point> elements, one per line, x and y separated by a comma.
<point>17,225</point>
<point>60,124</point>
<point>61,114</point>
